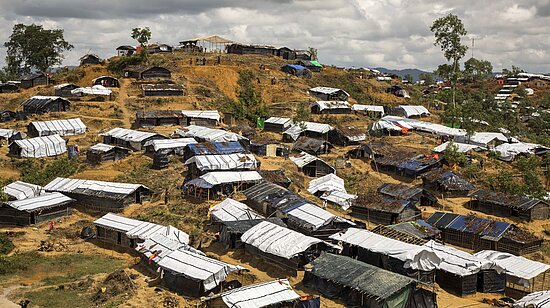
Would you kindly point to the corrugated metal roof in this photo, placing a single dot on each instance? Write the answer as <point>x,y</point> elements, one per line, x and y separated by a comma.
<point>21,190</point>
<point>40,202</point>
<point>128,134</point>
<point>66,127</point>
<point>298,128</point>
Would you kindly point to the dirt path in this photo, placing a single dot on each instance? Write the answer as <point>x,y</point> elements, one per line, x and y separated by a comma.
<point>4,301</point>
<point>121,100</point>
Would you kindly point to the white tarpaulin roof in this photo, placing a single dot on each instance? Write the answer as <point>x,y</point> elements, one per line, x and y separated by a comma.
<point>7,133</point>
<point>232,210</point>
<point>326,90</point>
<point>42,146</point>
<point>70,185</point>
<point>483,138</point>
<point>303,159</point>
<point>129,135</point>
<point>339,197</point>
<point>461,147</point>
<point>265,294</point>
<point>102,147</point>
<point>314,215</point>
<point>382,125</point>
<point>297,128</point>
<point>21,190</point>
<point>202,114</point>
<point>282,121</point>
<point>215,178</point>
<point>159,245</point>
<point>276,240</point>
<point>67,127</point>
<point>163,144</point>
<point>329,182</point>
<point>117,222</point>
<point>539,299</point>
<point>331,105</point>
<point>208,134</point>
<point>413,256</point>
<point>414,110</point>
<point>197,267</point>
<point>428,127</point>
<point>95,90</point>
<point>372,108</point>
<point>509,151</point>
<point>460,262</point>
<point>41,202</point>
<point>520,268</point>
<point>224,162</point>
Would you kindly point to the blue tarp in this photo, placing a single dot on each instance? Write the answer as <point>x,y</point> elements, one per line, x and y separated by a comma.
<point>215,148</point>
<point>296,67</point>
<point>412,166</point>
<point>461,223</point>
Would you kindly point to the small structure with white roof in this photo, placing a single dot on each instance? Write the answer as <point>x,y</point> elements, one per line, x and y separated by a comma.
<point>275,124</point>
<point>35,210</point>
<point>68,127</point>
<point>20,190</point>
<point>47,146</point>
<point>129,138</point>
<point>330,107</point>
<point>311,165</point>
<point>329,94</point>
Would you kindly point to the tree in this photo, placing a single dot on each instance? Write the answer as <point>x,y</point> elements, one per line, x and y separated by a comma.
<point>251,105</point>
<point>476,69</point>
<point>453,156</point>
<point>444,71</point>
<point>427,77</point>
<point>409,78</point>
<point>142,35</point>
<point>313,52</point>
<point>514,71</point>
<point>302,113</point>
<point>33,47</point>
<point>448,32</point>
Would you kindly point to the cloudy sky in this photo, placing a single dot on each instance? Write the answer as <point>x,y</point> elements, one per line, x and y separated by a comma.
<point>388,33</point>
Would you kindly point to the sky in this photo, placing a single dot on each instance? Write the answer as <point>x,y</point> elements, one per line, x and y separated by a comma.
<point>362,33</point>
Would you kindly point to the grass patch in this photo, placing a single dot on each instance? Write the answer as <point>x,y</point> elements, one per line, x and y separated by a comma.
<point>55,297</point>
<point>6,245</point>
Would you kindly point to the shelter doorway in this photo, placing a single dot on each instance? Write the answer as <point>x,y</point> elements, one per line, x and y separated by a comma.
<point>119,238</point>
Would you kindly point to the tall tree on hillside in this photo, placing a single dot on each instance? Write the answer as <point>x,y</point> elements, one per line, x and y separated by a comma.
<point>427,78</point>
<point>142,35</point>
<point>33,47</point>
<point>314,53</point>
<point>514,71</point>
<point>478,69</point>
<point>448,32</point>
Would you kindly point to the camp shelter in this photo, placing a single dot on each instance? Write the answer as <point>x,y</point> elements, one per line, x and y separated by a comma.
<point>129,138</point>
<point>242,49</point>
<point>231,210</point>
<point>201,164</point>
<point>274,293</point>
<point>396,256</point>
<point>193,274</point>
<point>106,81</point>
<point>64,89</point>
<point>215,185</point>
<point>446,183</point>
<point>410,111</point>
<point>9,135</point>
<point>19,190</point>
<point>362,285</point>
<point>312,65</point>
<point>269,148</point>
<point>329,94</point>
<point>505,205</point>
<point>96,90</point>
<point>404,192</point>
<point>308,129</point>
<point>162,89</point>
<point>283,246</point>
<point>311,146</point>
<point>45,104</point>
<point>330,107</point>
<point>483,139</point>
<point>415,232</point>
<point>89,59</point>
<point>231,231</point>
<point>372,111</point>
<point>214,148</point>
<point>276,176</point>
<point>159,245</point>
<point>510,151</point>
<point>383,210</point>
<point>539,299</point>
<point>9,87</point>
<point>159,48</point>
<point>159,118</point>
<point>371,150</point>
<point>403,165</point>
<point>37,147</point>
<point>202,133</point>
<point>406,124</point>
<point>519,242</point>
<point>68,127</point>
<point>312,220</point>
<point>462,273</point>
<point>175,146</point>
<point>208,118</point>
<point>346,135</point>
<point>332,189</point>
<point>147,72</point>
<point>275,124</point>
<point>8,115</point>
<point>35,210</point>
<point>211,43</point>
<point>460,147</point>
<point>296,70</point>
<point>523,276</point>
<point>125,50</point>
<point>101,152</point>
<point>266,196</point>
<point>37,79</point>
<point>311,165</point>
<point>99,195</point>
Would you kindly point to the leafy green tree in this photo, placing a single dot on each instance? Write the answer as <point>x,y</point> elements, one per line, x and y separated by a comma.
<point>453,156</point>
<point>514,71</point>
<point>303,112</point>
<point>32,46</point>
<point>409,78</point>
<point>142,35</point>
<point>314,53</point>
<point>444,71</point>
<point>476,69</point>
<point>428,78</point>
<point>448,32</point>
<point>250,104</point>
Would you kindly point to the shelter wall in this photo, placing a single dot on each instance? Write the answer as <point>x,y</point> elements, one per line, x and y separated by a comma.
<point>459,285</point>
<point>183,285</point>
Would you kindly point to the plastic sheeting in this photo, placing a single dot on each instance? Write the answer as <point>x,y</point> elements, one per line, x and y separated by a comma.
<point>311,214</point>
<point>414,110</point>
<point>41,202</point>
<point>329,182</point>
<point>534,300</point>
<point>232,210</point>
<point>202,114</point>
<point>95,90</point>
<point>216,178</point>
<point>303,159</point>
<point>331,105</point>
<point>70,185</point>
<point>482,139</point>
<point>368,108</point>
<point>224,162</point>
<point>339,197</point>
<point>7,133</point>
<point>41,146</point>
<point>165,144</point>
<point>509,151</point>
<point>117,222</point>
<point>414,256</point>
<point>208,134</point>
<point>21,190</point>
<point>298,128</point>
<point>67,127</point>
<point>129,135</point>
<point>264,294</point>
<point>276,240</point>
<point>460,147</point>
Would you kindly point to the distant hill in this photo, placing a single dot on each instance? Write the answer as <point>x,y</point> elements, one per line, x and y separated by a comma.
<point>401,73</point>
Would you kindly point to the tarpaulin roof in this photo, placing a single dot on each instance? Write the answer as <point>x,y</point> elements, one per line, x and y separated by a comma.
<point>21,190</point>
<point>523,203</point>
<point>509,151</point>
<point>41,146</point>
<point>448,180</point>
<point>414,256</point>
<point>265,294</point>
<point>232,210</point>
<point>241,226</point>
<point>91,186</point>
<point>216,148</point>
<point>224,162</point>
<point>117,222</point>
<point>101,147</point>
<point>460,147</point>
<point>209,271</point>
<point>296,67</point>
<point>211,179</point>
<point>372,108</point>
<point>108,77</point>
<point>367,279</point>
<point>539,299</point>
<point>279,241</point>
<point>304,159</point>
<point>282,121</point>
<point>522,269</point>
<point>327,90</point>
<point>159,245</point>
<point>60,127</point>
<point>331,105</point>
<point>341,198</point>
<point>265,191</point>
<point>94,90</point>
<point>311,216</point>
<point>208,134</point>
<point>460,262</point>
<point>298,128</point>
<point>433,128</point>
<point>329,182</point>
<point>482,139</point>
<point>469,224</point>
<point>7,133</point>
<point>162,87</point>
<point>38,203</point>
<point>164,144</point>
<point>202,114</point>
<point>418,228</point>
<point>38,102</point>
<point>129,134</point>
<point>400,191</point>
<point>414,110</point>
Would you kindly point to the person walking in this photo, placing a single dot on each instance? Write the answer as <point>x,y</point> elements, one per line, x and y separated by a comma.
<point>166,196</point>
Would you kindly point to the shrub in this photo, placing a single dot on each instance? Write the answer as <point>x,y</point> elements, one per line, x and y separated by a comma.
<point>41,172</point>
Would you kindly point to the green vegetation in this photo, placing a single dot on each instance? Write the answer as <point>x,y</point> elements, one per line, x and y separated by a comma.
<point>250,105</point>
<point>6,245</point>
<point>117,65</point>
<point>475,69</point>
<point>303,112</point>
<point>41,171</point>
<point>453,156</point>
<point>142,35</point>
